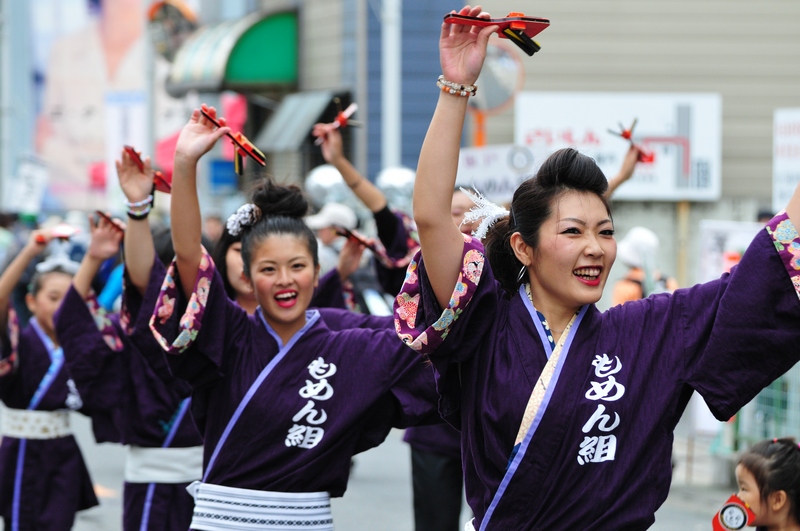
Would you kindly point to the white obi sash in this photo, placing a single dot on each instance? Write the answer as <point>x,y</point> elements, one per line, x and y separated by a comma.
<point>33,424</point>
<point>163,465</point>
<point>218,508</point>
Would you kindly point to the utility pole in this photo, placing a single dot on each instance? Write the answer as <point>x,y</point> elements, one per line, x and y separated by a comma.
<point>391,82</point>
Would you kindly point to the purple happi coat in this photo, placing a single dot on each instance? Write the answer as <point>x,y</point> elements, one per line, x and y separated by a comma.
<point>597,455</point>
<point>308,406</point>
<point>43,482</point>
<point>108,357</point>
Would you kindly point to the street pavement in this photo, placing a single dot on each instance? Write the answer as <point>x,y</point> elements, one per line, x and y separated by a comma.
<point>378,497</point>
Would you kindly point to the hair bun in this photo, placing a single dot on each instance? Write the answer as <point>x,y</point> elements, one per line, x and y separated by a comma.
<point>279,200</point>
<point>568,168</point>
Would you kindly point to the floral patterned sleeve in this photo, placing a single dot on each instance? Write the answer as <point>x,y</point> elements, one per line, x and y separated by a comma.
<point>423,325</point>
<point>102,319</point>
<point>787,242</point>
<point>190,322</point>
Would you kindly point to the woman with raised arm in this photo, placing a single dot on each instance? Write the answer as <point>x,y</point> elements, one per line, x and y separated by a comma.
<point>283,400</point>
<point>43,477</point>
<point>109,357</point>
<point>566,413</point>
<point>436,474</point>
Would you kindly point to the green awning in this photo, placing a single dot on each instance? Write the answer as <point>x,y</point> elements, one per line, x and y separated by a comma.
<point>254,53</point>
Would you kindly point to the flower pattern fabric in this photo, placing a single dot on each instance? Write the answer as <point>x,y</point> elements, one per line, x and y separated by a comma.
<point>191,320</point>
<point>406,304</point>
<point>787,242</point>
<point>104,324</point>
<point>412,243</point>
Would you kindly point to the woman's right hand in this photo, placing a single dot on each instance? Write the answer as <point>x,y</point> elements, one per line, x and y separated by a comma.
<point>106,238</point>
<point>37,241</point>
<point>331,146</point>
<point>462,47</point>
<point>200,134</point>
<point>135,184</point>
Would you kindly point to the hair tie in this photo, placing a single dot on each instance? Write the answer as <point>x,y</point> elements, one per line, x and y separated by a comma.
<point>246,216</point>
<point>485,210</point>
<point>58,262</point>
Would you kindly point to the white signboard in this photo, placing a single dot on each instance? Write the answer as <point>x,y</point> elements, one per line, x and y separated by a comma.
<point>683,132</point>
<point>785,156</point>
<point>495,171</point>
<point>126,124</point>
<point>722,244</point>
<point>25,193</point>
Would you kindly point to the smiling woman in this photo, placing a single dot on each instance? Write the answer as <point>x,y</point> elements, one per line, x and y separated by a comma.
<point>286,396</point>
<point>570,427</point>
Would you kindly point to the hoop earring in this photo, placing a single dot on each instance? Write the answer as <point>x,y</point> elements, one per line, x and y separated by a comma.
<point>522,273</point>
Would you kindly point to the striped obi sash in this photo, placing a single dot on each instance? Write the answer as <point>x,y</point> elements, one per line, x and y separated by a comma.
<point>218,508</point>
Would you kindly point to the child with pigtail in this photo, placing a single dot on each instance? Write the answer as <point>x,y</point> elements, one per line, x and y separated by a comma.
<point>43,477</point>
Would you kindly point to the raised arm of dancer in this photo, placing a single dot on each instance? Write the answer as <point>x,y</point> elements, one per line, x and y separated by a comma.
<point>625,171</point>
<point>139,249</point>
<point>332,152</point>
<point>196,139</point>
<point>462,50</point>
<point>37,241</point>
<point>104,243</point>
<point>793,207</point>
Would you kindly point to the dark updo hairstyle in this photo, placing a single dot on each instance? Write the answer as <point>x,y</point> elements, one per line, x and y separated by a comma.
<point>775,465</point>
<point>282,210</point>
<point>563,171</point>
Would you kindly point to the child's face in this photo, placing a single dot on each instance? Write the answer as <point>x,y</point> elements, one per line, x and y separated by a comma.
<point>45,302</point>
<point>749,493</point>
<point>283,275</point>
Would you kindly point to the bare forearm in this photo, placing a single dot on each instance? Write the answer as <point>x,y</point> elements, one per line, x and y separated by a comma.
<point>13,273</point>
<point>440,239</point>
<point>139,253</point>
<point>82,281</point>
<point>615,183</point>
<point>185,221</point>
<point>793,208</point>
<point>367,193</point>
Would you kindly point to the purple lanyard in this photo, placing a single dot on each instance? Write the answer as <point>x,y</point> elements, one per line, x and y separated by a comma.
<point>311,317</point>
<point>56,363</point>
<point>548,394</point>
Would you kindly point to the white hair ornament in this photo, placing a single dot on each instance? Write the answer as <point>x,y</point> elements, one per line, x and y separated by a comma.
<point>484,210</point>
<point>246,216</point>
<point>58,262</point>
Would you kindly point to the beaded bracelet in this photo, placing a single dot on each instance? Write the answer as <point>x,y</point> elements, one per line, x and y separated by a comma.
<point>148,201</point>
<point>455,88</point>
<point>139,215</point>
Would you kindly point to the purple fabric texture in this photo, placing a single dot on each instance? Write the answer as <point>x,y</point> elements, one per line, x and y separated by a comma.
<point>601,456</point>
<point>170,509</point>
<point>55,482</point>
<point>130,401</point>
<point>336,391</point>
